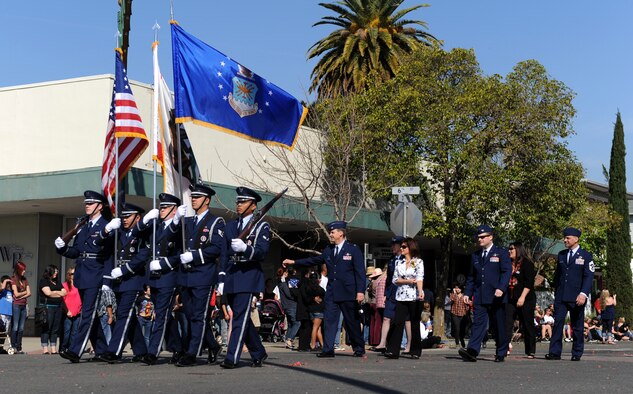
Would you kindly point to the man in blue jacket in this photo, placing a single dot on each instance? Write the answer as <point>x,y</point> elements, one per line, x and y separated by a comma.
<point>345,288</point>
<point>93,255</point>
<point>128,277</point>
<point>163,279</point>
<point>205,246</point>
<point>487,285</point>
<point>242,275</point>
<point>572,281</point>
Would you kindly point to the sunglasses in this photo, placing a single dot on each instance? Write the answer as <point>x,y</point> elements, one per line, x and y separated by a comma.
<point>404,246</point>
<point>483,236</point>
<point>511,248</point>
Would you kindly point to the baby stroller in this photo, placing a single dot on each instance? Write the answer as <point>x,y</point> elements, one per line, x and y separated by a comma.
<point>272,318</point>
<point>4,334</point>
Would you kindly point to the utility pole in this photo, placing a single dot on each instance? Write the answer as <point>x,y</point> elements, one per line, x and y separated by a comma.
<point>123,19</point>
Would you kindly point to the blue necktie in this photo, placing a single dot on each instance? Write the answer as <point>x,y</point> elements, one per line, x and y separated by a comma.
<point>569,256</point>
<point>483,256</point>
<point>336,251</point>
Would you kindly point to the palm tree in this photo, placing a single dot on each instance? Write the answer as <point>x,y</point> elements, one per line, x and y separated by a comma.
<point>372,37</point>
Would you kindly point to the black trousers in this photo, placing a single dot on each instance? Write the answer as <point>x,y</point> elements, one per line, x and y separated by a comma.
<point>405,309</point>
<point>305,334</point>
<point>525,316</point>
<point>459,324</point>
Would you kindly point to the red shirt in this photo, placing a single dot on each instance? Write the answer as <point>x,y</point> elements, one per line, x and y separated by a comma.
<point>72,300</point>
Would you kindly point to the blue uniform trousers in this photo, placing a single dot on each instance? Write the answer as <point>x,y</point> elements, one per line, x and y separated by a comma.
<point>577,320</point>
<point>242,329</point>
<point>126,325</point>
<point>196,302</point>
<point>494,314</point>
<point>351,319</point>
<point>163,298</point>
<point>88,327</point>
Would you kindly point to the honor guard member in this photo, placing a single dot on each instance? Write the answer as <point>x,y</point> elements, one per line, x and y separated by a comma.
<point>93,255</point>
<point>572,281</point>
<point>242,275</point>
<point>128,277</point>
<point>345,289</point>
<point>163,279</point>
<point>204,244</point>
<point>487,284</point>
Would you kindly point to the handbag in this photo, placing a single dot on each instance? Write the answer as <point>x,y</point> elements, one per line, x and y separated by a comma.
<point>41,315</point>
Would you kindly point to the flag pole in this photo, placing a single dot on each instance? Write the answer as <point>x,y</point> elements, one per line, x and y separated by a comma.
<point>155,131</point>
<point>116,165</point>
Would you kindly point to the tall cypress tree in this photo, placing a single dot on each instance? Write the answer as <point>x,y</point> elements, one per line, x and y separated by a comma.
<point>618,269</point>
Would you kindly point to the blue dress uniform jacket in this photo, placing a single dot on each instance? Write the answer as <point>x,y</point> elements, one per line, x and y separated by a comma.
<point>487,276</point>
<point>93,254</point>
<point>168,245</point>
<point>206,243</point>
<point>132,257</point>
<point>573,278</point>
<point>346,271</point>
<point>243,271</point>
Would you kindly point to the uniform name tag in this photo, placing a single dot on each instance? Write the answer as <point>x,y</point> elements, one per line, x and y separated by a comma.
<point>494,259</point>
<point>347,257</point>
<point>580,261</point>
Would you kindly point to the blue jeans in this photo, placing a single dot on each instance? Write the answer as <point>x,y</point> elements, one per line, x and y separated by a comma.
<point>107,330</point>
<point>146,326</point>
<point>70,329</point>
<point>19,317</point>
<point>293,324</point>
<point>337,338</point>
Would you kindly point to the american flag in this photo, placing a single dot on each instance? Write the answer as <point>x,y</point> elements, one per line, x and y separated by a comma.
<point>125,127</point>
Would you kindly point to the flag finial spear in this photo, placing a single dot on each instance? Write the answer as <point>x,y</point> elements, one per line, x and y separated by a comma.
<point>156,27</point>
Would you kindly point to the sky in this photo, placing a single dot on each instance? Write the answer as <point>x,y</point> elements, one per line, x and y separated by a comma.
<point>584,44</point>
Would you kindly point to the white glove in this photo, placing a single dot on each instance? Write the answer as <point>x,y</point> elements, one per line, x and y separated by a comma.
<point>113,225</point>
<point>116,273</point>
<point>221,288</point>
<point>181,211</point>
<point>59,243</point>
<point>105,287</point>
<point>154,265</point>
<point>186,257</point>
<point>238,245</point>
<point>152,214</point>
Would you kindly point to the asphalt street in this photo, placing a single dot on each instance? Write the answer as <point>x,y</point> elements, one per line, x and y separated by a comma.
<point>603,367</point>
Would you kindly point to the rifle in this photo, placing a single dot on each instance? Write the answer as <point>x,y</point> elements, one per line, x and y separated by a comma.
<point>73,231</point>
<point>259,216</point>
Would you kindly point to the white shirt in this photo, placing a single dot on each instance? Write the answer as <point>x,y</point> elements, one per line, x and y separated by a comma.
<point>415,271</point>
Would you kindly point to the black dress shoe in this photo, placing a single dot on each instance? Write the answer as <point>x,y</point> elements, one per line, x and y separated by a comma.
<point>415,357</point>
<point>111,358</point>
<point>150,359</point>
<point>258,363</point>
<point>70,356</point>
<point>550,356</point>
<point>138,358</point>
<point>379,349</point>
<point>359,354</point>
<point>175,357</point>
<point>325,355</point>
<point>188,360</point>
<point>575,358</point>
<point>499,359</point>
<point>390,355</point>
<point>226,364</point>
<point>97,358</point>
<point>213,355</point>
<point>468,355</point>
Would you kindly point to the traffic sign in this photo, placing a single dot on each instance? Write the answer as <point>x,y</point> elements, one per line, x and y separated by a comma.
<point>406,220</point>
<point>405,190</point>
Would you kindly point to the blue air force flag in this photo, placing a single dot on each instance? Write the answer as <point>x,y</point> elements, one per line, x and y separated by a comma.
<point>214,90</point>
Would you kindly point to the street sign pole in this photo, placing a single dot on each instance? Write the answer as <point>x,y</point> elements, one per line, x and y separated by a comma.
<point>404,194</point>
